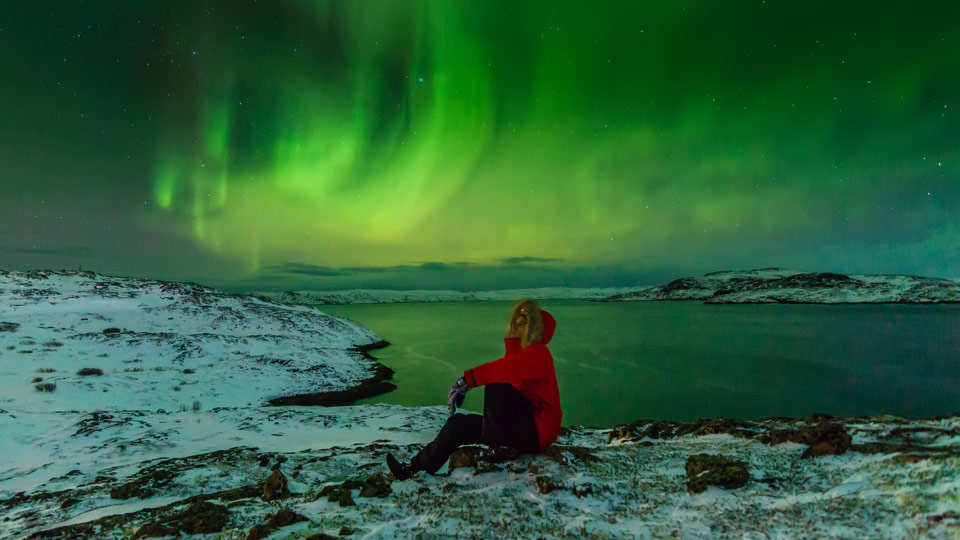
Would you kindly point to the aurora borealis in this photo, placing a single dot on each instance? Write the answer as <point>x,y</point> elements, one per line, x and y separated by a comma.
<point>475,145</point>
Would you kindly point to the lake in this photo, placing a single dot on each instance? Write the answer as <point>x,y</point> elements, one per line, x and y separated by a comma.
<point>620,362</point>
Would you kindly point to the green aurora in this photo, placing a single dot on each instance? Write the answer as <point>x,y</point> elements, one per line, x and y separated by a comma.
<point>494,144</point>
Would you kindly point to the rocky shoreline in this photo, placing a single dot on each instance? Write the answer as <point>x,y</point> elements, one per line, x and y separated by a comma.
<point>149,334</point>
<point>882,477</point>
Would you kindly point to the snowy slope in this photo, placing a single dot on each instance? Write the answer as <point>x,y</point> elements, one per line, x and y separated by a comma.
<point>385,296</point>
<point>773,285</point>
<point>163,345</point>
<point>898,479</point>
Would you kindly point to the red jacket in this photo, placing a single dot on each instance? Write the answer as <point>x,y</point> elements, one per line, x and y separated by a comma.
<point>530,370</point>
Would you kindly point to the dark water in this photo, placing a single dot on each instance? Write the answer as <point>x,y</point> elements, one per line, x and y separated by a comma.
<point>619,362</point>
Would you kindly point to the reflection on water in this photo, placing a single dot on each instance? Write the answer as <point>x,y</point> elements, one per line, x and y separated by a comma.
<point>619,362</point>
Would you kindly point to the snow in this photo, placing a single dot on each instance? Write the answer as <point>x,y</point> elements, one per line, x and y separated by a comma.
<point>791,286</point>
<point>765,285</point>
<point>67,454</point>
<point>175,345</point>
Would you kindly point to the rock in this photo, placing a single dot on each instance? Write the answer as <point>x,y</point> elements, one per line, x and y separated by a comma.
<point>545,484</point>
<point>265,460</point>
<point>202,518</point>
<point>346,531</point>
<point>285,516</point>
<point>823,438</point>
<point>557,451</point>
<point>376,486</point>
<point>666,429</point>
<point>488,467</point>
<point>198,518</point>
<point>258,532</point>
<point>320,536</point>
<point>275,487</point>
<point>828,439</point>
<point>340,493</point>
<point>347,485</point>
<point>144,485</point>
<point>704,469</point>
<point>465,456</point>
<point>111,330</point>
<point>344,498</point>
<point>154,530</point>
<point>582,490</point>
<point>9,326</point>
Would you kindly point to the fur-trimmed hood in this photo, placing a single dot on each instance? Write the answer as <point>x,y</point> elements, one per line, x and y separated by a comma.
<point>549,325</point>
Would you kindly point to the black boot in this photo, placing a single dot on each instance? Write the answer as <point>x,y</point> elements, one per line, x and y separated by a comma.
<point>399,470</point>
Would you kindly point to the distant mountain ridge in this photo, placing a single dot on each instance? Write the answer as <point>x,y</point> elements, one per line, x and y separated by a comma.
<point>758,286</point>
<point>385,296</point>
<point>775,285</point>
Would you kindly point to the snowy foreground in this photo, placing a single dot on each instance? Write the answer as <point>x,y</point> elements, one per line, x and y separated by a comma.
<point>170,433</point>
<point>112,475</point>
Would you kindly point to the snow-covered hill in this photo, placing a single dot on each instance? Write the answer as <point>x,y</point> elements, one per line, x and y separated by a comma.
<point>79,340</point>
<point>773,285</point>
<point>385,296</point>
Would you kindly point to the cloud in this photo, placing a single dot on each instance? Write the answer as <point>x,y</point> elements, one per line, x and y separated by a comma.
<point>369,269</point>
<point>434,266</point>
<point>70,251</point>
<point>521,260</point>
<point>305,269</point>
<point>460,276</point>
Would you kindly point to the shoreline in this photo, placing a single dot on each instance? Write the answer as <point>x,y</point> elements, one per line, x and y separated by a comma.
<point>373,386</point>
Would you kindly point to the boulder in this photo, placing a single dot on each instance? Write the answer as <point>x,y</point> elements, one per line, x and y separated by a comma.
<point>545,484</point>
<point>823,438</point>
<point>829,439</point>
<point>709,469</point>
<point>284,517</point>
<point>259,532</point>
<point>376,486</point>
<point>198,518</point>
<point>344,498</point>
<point>465,456</point>
<point>275,487</point>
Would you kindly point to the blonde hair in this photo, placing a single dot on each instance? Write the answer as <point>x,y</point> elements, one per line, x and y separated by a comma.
<point>533,332</point>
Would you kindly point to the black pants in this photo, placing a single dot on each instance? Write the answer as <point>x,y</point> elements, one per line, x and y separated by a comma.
<point>507,420</point>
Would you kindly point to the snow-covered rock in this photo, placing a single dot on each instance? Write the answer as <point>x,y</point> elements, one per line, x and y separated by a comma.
<point>773,285</point>
<point>386,296</point>
<point>104,478</point>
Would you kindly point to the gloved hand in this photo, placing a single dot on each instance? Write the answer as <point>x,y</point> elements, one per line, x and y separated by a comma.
<point>457,393</point>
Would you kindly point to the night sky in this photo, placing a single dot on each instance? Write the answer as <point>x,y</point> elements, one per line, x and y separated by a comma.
<point>477,145</point>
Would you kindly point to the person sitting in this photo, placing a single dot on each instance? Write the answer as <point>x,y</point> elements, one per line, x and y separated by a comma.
<point>521,399</point>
